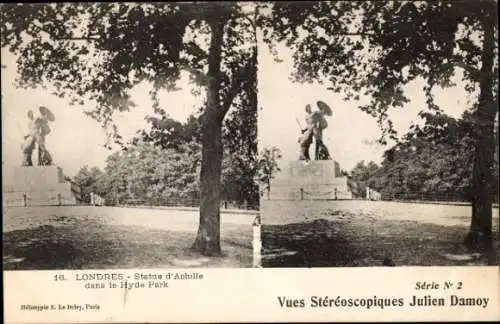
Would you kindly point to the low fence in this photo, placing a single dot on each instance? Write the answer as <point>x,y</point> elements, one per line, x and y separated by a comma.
<point>188,203</point>
<point>429,197</point>
<point>423,197</point>
<point>23,200</point>
<point>292,194</point>
<point>307,192</point>
<point>61,200</point>
<point>334,194</point>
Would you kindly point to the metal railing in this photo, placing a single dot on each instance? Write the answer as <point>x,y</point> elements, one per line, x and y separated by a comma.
<point>26,201</point>
<point>180,202</point>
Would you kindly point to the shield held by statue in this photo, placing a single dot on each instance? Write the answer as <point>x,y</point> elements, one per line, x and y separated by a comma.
<point>324,108</point>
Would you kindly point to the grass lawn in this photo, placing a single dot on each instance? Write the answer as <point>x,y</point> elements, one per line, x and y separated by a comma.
<point>350,234</point>
<point>106,237</point>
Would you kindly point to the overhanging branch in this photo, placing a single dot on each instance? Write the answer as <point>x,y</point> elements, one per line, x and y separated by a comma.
<point>200,76</point>
<point>236,85</point>
<point>473,72</point>
<point>237,80</point>
<point>353,34</point>
<point>76,38</point>
<point>83,38</point>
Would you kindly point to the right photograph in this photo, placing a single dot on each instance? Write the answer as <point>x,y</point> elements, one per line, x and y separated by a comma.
<point>378,134</point>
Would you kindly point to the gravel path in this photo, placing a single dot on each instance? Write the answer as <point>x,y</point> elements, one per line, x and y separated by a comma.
<point>82,237</point>
<point>363,233</point>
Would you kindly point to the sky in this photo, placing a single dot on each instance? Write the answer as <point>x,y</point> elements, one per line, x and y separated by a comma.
<point>77,140</point>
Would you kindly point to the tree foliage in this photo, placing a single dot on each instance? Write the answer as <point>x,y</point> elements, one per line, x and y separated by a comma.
<point>268,166</point>
<point>363,176</point>
<point>431,162</point>
<point>89,180</point>
<point>149,174</point>
<point>169,133</point>
<point>239,164</point>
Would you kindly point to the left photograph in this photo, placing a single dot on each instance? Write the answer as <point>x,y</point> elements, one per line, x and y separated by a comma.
<point>129,135</point>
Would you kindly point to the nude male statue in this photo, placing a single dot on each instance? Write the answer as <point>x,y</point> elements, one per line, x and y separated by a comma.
<point>306,138</point>
<point>38,129</point>
<point>315,124</point>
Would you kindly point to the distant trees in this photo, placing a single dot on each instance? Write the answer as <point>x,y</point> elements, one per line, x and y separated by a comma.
<point>364,175</point>
<point>268,166</point>
<point>89,180</point>
<point>431,162</point>
<point>161,164</point>
<point>148,174</point>
<point>239,158</point>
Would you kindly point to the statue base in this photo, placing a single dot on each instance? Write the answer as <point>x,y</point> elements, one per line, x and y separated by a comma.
<point>40,186</point>
<point>310,180</point>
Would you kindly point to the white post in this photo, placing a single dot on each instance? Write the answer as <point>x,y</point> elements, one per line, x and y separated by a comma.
<point>257,243</point>
<point>367,193</point>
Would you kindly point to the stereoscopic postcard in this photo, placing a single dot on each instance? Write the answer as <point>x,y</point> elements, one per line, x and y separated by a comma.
<point>250,161</point>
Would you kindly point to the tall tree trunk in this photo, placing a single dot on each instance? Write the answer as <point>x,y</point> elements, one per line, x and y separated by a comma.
<point>480,235</point>
<point>208,238</point>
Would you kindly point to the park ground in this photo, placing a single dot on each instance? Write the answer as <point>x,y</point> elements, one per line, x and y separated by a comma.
<point>368,233</point>
<point>85,237</point>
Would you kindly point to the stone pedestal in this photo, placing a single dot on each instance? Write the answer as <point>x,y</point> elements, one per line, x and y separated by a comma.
<point>40,185</point>
<point>318,179</point>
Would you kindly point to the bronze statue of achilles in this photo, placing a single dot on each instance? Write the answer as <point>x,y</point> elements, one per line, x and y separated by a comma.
<point>315,124</point>
<point>38,130</point>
